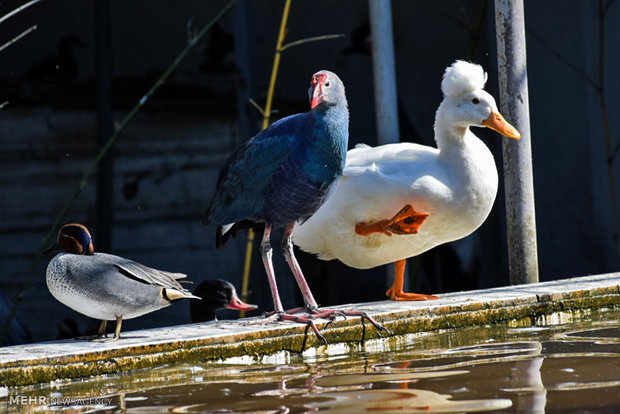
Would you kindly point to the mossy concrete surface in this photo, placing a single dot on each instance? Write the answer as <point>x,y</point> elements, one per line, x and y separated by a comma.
<point>253,339</point>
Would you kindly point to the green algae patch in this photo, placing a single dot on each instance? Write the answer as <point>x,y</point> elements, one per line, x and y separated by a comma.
<point>255,342</point>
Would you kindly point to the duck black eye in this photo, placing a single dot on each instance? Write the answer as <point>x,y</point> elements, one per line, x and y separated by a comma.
<point>475,101</point>
<point>326,84</point>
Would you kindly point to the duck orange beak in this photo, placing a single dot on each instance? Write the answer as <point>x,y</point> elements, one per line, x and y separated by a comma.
<point>496,122</point>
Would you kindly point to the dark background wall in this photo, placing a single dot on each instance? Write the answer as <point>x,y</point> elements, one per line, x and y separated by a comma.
<point>165,163</point>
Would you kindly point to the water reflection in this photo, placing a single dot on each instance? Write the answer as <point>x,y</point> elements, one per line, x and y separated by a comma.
<point>567,368</point>
<point>403,401</point>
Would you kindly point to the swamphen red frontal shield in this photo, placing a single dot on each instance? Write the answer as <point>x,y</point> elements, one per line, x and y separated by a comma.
<point>282,176</point>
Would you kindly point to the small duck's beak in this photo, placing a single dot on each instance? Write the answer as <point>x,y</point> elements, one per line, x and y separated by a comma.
<point>240,305</point>
<point>496,122</point>
<point>54,249</point>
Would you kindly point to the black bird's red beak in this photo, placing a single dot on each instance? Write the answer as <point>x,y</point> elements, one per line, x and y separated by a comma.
<point>240,305</point>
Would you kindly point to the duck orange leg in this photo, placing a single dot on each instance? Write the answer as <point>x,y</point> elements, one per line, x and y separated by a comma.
<point>406,221</point>
<point>396,291</point>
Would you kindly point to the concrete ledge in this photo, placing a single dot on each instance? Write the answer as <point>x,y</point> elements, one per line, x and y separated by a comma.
<point>250,340</point>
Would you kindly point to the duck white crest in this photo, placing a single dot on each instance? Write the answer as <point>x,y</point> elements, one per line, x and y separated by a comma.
<point>462,77</point>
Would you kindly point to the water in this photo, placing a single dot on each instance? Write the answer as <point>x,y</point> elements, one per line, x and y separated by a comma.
<point>564,368</point>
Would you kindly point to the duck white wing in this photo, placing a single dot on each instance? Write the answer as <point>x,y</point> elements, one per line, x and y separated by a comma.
<point>377,182</point>
<point>389,158</point>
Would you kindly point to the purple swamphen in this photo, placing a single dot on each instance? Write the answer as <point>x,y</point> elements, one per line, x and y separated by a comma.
<point>282,176</point>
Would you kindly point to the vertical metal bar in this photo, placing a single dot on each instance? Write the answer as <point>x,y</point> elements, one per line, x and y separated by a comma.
<point>384,71</point>
<point>519,183</point>
<point>103,67</point>
<point>386,105</point>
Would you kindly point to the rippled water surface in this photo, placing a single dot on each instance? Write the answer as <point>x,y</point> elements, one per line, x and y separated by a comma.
<point>565,368</point>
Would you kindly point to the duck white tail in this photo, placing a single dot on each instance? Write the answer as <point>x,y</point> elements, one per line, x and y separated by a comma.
<point>174,294</point>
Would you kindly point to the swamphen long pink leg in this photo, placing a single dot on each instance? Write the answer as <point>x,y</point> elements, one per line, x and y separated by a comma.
<point>279,314</point>
<point>287,247</point>
<point>266,254</point>
<point>310,303</point>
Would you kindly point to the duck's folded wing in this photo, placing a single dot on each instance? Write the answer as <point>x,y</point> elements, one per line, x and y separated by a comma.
<point>400,158</point>
<point>149,275</point>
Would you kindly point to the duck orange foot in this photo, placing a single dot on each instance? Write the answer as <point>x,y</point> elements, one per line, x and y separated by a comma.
<point>398,294</point>
<point>406,221</point>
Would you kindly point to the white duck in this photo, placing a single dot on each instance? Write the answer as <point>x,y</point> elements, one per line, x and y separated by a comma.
<point>399,200</point>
